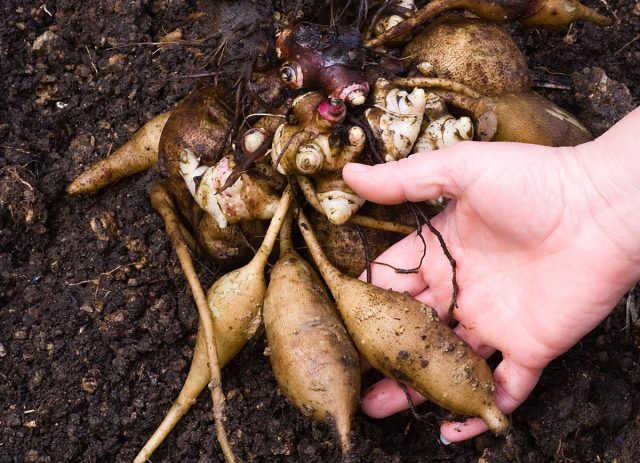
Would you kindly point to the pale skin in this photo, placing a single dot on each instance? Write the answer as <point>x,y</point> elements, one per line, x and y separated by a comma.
<point>545,240</point>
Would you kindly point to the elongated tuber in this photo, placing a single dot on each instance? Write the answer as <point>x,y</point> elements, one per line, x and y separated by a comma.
<point>312,357</point>
<point>405,340</point>
<point>139,154</point>
<point>545,13</point>
<point>235,302</point>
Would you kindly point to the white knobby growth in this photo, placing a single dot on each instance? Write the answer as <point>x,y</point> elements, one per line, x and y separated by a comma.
<point>339,205</point>
<point>443,132</point>
<point>397,118</point>
<point>228,206</point>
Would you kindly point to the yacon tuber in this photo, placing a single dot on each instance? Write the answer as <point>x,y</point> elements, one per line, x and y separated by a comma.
<point>405,340</point>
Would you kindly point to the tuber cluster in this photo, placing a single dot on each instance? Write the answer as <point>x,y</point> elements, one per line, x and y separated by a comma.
<point>233,185</point>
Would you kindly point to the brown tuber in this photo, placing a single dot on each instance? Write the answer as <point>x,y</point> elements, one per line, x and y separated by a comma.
<point>405,340</point>
<point>137,155</point>
<point>545,13</point>
<point>474,52</point>
<point>312,357</point>
<point>234,302</point>
<point>200,124</point>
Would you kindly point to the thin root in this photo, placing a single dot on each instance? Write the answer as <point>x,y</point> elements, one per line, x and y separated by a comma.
<point>164,205</point>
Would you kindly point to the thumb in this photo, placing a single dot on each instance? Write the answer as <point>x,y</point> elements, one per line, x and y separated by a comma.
<point>419,177</point>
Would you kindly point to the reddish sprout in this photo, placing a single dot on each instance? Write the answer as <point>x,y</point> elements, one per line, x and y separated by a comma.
<point>323,57</point>
<point>333,109</point>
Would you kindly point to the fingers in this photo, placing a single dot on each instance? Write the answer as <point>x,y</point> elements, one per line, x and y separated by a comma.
<point>419,177</point>
<point>476,344</point>
<point>514,383</point>
<point>386,397</point>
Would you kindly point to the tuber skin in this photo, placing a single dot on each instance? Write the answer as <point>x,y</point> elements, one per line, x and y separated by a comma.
<point>200,124</point>
<point>323,58</point>
<point>235,303</point>
<point>474,52</point>
<point>137,155</point>
<point>307,146</point>
<point>312,357</point>
<point>515,117</point>
<point>347,247</point>
<point>544,13</point>
<point>405,340</point>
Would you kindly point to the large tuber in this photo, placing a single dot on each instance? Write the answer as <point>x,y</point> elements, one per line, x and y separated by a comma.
<point>405,340</point>
<point>474,52</point>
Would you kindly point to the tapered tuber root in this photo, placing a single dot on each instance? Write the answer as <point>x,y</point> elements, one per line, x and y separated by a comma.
<point>310,145</point>
<point>545,13</point>
<point>474,52</point>
<point>395,118</point>
<point>405,340</point>
<point>312,357</point>
<point>323,58</point>
<point>138,154</point>
<point>206,363</point>
<point>235,304</point>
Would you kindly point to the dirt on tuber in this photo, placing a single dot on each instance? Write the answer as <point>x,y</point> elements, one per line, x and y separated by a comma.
<point>474,52</point>
<point>406,340</point>
<point>312,356</point>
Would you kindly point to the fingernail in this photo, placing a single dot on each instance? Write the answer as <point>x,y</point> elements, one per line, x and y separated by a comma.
<point>443,440</point>
<point>357,168</point>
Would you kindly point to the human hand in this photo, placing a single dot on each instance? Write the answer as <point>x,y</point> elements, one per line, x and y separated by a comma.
<point>543,243</point>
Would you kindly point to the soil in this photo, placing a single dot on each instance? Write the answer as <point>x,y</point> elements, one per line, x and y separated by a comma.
<point>97,323</point>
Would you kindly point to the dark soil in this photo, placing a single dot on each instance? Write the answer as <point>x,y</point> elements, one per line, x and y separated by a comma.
<point>97,323</point>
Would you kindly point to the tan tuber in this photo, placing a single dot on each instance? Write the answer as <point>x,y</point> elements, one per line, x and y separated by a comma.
<point>545,13</point>
<point>405,340</point>
<point>137,155</point>
<point>474,52</point>
<point>312,357</point>
<point>235,305</point>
